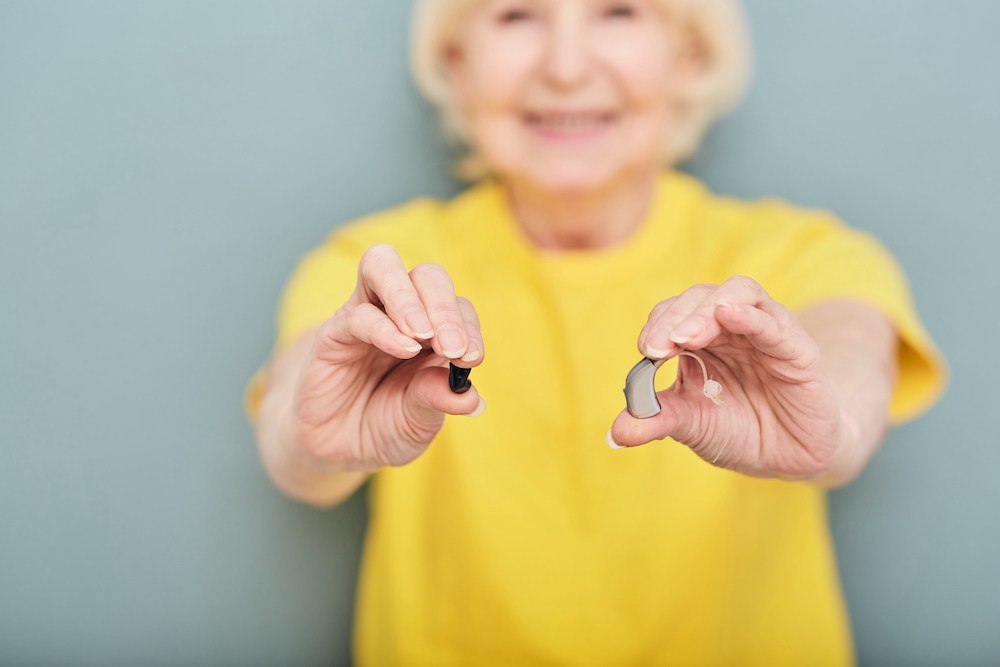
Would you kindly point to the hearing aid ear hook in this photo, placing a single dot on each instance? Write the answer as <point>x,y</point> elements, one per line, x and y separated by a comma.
<point>640,392</point>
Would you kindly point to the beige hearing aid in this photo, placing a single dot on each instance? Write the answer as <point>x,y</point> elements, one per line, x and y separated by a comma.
<point>640,392</point>
<point>640,389</point>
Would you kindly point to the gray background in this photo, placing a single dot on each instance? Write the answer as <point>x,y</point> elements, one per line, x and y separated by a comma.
<point>163,164</point>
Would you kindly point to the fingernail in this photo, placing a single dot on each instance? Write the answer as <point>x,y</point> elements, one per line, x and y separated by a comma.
<point>726,304</point>
<point>480,408</point>
<point>408,343</point>
<point>451,342</point>
<point>687,329</point>
<point>654,352</point>
<point>420,325</point>
<point>611,441</point>
<point>471,355</point>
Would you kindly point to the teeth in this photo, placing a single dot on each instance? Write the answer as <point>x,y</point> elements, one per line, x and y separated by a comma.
<point>568,122</point>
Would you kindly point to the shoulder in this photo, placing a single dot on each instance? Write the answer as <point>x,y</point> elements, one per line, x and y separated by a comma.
<point>761,217</point>
<point>761,235</point>
<point>799,254</point>
<point>804,256</point>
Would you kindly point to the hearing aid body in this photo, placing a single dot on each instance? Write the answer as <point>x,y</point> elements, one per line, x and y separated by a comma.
<point>458,379</point>
<point>640,392</point>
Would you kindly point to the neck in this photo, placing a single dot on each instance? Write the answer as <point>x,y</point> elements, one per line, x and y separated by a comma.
<point>580,220</point>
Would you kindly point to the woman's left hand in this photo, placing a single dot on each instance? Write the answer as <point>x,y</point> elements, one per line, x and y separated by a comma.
<point>779,416</point>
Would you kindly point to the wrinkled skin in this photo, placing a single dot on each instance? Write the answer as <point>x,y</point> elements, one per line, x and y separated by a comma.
<point>374,390</point>
<point>780,416</point>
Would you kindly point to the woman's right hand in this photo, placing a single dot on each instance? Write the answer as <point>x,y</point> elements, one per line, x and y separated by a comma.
<point>374,388</point>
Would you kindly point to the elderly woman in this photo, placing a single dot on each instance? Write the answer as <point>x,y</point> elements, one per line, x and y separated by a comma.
<point>517,536</point>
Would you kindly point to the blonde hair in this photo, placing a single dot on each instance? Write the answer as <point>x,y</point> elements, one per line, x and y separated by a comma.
<point>718,26</point>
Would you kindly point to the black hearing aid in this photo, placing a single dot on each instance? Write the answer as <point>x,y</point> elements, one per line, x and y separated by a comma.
<point>458,379</point>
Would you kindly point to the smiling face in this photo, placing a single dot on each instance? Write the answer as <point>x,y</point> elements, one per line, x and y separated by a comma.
<point>569,95</point>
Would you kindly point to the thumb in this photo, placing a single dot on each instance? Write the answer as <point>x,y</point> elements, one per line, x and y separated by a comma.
<point>428,399</point>
<point>680,417</point>
<point>627,431</point>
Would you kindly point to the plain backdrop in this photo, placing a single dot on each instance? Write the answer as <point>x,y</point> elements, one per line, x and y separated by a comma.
<point>164,163</point>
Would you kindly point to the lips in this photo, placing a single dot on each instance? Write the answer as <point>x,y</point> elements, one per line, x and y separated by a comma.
<point>565,122</point>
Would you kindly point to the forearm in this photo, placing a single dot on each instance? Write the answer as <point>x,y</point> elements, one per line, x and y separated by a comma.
<point>292,469</point>
<point>858,348</point>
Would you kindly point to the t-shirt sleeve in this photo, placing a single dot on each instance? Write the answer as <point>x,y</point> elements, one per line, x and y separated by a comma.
<point>321,282</point>
<point>827,260</point>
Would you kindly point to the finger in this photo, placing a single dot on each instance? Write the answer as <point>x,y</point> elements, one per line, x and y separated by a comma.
<point>428,395</point>
<point>685,416</point>
<point>437,293</point>
<point>658,334</point>
<point>700,327</point>
<point>475,350</point>
<point>366,324</point>
<point>654,315</point>
<point>719,451</point>
<point>769,334</point>
<point>623,434</point>
<point>383,280</point>
<point>677,419</point>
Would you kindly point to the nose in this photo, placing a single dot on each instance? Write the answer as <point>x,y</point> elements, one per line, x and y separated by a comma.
<point>567,54</point>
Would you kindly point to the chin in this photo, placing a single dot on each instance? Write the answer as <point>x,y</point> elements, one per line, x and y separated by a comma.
<point>567,185</point>
<point>573,178</point>
<point>553,172</point>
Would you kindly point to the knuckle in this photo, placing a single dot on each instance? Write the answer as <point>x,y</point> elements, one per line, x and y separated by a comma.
<point>428,270</point>
<point>378,251</point>
<point>756,327</point>
<point>373,261</point>
<point>443,311</point>
<point>382,337</point>
<point>468,312</point>
<point>399,296</point>
<point>341,313</point>
<point>662,306</point>
<point>359,312</point>
<point>659,311</point>
<point>742,282</point>
<point>698,290</point>
<point>331,325</point>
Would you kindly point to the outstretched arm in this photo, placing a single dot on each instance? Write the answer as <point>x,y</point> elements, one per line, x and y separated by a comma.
<point>294,471</point>
<point>368,388</point>
<point>804,398</point>
<point>858,350</point>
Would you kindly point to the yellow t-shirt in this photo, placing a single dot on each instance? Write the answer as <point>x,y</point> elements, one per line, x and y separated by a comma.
<point>519,537</point>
